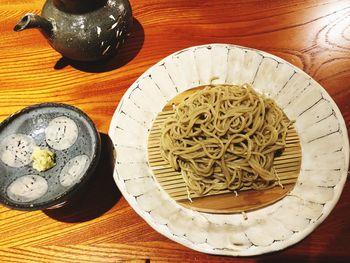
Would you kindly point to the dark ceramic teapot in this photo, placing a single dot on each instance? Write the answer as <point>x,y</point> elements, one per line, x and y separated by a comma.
<point>83,30</point>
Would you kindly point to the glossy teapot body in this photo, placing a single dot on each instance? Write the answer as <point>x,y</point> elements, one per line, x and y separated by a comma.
<point>82,30</point>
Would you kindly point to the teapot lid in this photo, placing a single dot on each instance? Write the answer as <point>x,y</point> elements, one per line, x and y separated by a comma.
<point>78,6</point>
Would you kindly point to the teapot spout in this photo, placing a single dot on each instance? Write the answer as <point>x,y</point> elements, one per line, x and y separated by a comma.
<point>30,20</point>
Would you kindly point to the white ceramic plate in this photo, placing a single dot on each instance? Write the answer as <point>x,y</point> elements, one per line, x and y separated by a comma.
<point>322,131</point>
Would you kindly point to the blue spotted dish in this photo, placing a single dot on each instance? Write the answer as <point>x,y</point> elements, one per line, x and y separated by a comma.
<point>59,128</point>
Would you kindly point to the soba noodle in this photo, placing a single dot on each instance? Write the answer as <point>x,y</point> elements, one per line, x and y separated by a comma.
<point>224,137</point>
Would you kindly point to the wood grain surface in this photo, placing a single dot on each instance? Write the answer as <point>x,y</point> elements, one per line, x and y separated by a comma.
<point>101,226</point>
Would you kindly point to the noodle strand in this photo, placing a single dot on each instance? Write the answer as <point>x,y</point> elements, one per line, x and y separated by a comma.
<point>225,137</point>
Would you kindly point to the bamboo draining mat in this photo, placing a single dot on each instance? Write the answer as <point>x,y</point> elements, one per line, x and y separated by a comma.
<point>287,167</point>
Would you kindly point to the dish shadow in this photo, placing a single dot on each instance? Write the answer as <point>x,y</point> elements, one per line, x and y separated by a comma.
<point>300,258</point>
<point>125,54</point>
<point>100,195</point>
<point>294,254</point>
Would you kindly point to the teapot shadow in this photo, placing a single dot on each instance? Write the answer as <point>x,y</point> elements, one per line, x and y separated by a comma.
<point>100,195</point>
<point>124,55</point>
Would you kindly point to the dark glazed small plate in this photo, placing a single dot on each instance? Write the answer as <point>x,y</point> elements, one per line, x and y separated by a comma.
<point>62,129</point>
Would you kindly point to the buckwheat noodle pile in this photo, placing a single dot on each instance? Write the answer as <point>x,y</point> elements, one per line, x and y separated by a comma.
<point>224,137</point>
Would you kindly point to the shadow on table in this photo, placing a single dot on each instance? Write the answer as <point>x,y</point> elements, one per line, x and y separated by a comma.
<point>308,253</point>
<point>100,195</point>
<point>300,258</point>
<point>125,54</point>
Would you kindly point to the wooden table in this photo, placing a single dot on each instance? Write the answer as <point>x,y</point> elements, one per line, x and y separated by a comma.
<point>102,227</point>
